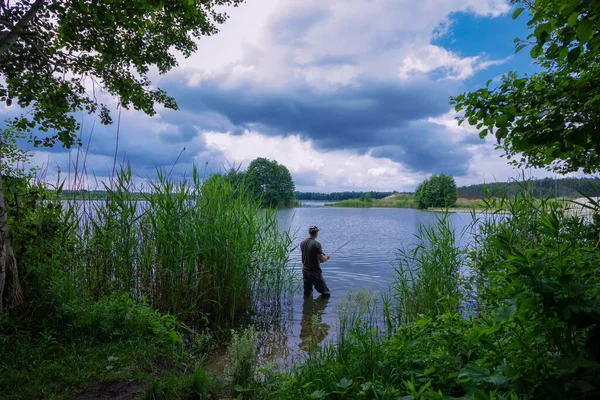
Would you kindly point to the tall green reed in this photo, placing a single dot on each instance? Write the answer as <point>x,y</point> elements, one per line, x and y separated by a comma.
<point>109,240</point>
<point>427,280</point>
<point>194,247</point>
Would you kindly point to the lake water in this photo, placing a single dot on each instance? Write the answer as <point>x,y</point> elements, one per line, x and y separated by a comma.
<point>368,261</point>
<point>374,234</point>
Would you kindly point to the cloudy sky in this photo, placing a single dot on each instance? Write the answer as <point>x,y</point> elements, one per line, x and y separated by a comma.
<point>348,94</point>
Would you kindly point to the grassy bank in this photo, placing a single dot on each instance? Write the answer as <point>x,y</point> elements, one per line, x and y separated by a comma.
<point>403,200</point>
<point>120,289</point>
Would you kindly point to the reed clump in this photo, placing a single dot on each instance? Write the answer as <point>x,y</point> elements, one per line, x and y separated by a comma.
<point>427,275</point>
<point>194,247</point>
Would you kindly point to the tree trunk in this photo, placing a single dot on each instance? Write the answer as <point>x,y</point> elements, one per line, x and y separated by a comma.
<point>11,293</point>
<point>10,37</point>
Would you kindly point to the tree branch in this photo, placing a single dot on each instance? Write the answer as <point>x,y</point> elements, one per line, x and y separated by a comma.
<point>7,39</point>
<point>38,50</point>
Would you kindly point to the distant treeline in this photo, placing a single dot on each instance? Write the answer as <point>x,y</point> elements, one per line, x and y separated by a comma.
<point>337,196</point>
<point>540,188</point>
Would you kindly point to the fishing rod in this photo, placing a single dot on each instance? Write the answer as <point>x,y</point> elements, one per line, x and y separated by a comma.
<point>339,248</point>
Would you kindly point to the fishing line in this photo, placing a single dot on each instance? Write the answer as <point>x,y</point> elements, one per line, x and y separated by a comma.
<point>339,248</point>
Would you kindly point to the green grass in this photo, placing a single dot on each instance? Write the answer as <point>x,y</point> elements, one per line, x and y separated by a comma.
<point>114,340</point>
<point>463,203</point>
<point>111,340</point>
<point>109,282</point>
<point>400,200</point>
<point>101,282</point>
<point>403,200</point>
<point>42,367</point>
<point>351,204</point>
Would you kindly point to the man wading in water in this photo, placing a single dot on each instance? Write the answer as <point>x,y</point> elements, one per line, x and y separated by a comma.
<point>312,256</point>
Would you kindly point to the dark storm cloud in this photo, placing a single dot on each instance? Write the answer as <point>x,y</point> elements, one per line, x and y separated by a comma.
<point>380,115</point>
<point>429,148</point>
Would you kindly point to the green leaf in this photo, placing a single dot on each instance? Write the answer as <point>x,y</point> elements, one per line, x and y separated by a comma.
<point>318,394</point>
<point>574,55</point>
<point>573,19</point>
<point>175,337</point>
<point>585,30</point>
<point>504,313</point>
<point>502,133</point>
<point>518,12</point>
<point>536,51</point>
<point>502,120</point>
<point>238,388</point>
<point>520,47</point>
<point>344,383</point>
<point>474,371</point>
<point>593,100</point>
<point>496,380</point>
<point>574,363</point>
<point>564,52</point>
<point>542,30</point>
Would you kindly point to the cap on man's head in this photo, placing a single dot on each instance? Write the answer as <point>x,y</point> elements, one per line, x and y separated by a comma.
<point>313,229</point>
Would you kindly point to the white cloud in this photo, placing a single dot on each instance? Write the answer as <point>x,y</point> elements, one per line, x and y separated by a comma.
<point>488,166</point>
<point>457,132</point>
<point>273,42</point>
<point>345,170</point>
<point>435,58</point>
<point>330,170</point>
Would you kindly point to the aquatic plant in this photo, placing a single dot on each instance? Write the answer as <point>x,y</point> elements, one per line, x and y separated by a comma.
<point>192,247</point>
<point>427,275</point>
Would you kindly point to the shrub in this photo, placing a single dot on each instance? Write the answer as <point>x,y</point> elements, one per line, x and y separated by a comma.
<point>116,318</point>
<point>43,242</point>
<point>241,356</point>
<point>437,191</point>
<point>366,197</point>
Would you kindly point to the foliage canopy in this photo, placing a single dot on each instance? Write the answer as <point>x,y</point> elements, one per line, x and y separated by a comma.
<point>56,56</point>
<point>550,119</point>
<point>270,181</point>
<point>437,191</point>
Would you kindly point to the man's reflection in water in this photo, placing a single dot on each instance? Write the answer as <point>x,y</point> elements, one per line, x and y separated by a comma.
<point>312,330</point>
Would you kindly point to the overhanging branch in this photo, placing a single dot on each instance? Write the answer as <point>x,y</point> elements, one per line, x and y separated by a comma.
<point>8,38</point>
